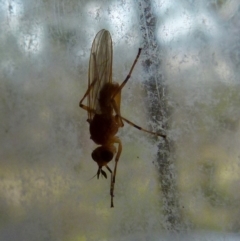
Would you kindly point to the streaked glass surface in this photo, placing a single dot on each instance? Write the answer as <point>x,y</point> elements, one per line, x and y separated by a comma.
<point>45,146</point>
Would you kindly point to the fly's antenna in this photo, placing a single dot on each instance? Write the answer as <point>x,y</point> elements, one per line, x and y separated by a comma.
<point>92,177</point>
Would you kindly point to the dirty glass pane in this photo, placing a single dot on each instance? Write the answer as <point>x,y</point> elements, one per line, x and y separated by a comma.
<point>185,84</point>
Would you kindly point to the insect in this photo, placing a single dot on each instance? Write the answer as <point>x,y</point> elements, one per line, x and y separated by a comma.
<point>103,106</point>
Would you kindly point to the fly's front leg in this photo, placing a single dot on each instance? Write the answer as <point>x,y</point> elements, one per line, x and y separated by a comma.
<point>118,141</point>
<point>115,140</point>
<point>111,186</point>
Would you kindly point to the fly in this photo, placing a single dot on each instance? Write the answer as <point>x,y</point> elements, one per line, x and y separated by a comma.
<point>103,106</point>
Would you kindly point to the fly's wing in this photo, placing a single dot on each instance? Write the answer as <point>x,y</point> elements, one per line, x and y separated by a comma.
<point>100,68</point>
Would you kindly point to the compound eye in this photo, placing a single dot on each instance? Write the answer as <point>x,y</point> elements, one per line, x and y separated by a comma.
<point>106,155</point>
<point>95,155</point>
<point>101,154</point>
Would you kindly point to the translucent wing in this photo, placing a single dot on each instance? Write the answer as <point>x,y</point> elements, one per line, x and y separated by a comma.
<point>100,68</point>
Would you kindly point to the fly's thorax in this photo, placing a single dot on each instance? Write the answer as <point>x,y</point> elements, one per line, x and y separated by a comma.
<point>106,95</point>
<point>102,128</point>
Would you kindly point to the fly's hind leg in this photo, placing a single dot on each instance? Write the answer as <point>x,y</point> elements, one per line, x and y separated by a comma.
<point>129,74</point>
<point>85,95</point>
<point>116,98</point>
<point>142,129</point>
<point>116,103</point>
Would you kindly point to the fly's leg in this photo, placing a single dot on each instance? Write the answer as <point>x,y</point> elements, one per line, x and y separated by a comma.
<point>111,186</point>
<point>141,129</point>
<point>96,78</point>
<point>116,102</point>
<point>129,74</point>
<point>115,140</point>
<point>85,95</point>
<point>116,98</point>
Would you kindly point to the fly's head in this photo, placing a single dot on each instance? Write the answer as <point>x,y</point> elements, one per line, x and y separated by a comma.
<point>102,156</point>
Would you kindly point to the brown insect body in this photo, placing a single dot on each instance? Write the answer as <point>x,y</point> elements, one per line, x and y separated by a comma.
<point>105,125</point>
<point>104,100</point>
<point>102,128</point>
<point>103,105</point>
